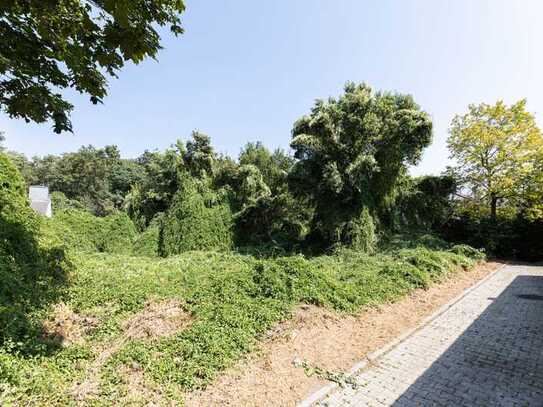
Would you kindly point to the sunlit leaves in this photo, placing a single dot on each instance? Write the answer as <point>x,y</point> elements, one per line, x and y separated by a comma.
<point>351,151</point>
<point>51,45</point>
<point>498,150</point>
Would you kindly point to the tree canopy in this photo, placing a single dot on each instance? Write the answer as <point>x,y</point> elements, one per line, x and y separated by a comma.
<point>351,151</point>
<point>49,45</point>
<point>498,150</point>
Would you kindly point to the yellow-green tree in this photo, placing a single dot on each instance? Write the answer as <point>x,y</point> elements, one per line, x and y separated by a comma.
<point>497,151</point>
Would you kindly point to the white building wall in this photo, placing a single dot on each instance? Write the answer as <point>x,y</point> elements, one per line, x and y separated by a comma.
<point>40,200</point>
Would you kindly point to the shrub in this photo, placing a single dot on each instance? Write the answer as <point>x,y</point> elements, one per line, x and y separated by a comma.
<point>60,202</point>
<point>435,264</point>
<point>468,251</point>
<point>360,233</point>
<point>515,237</point>
<point>197,220</point>
<point>74,228</point>
<point>147,243</point>
<point>18,222</point>
<point>117,234</point>
<point>80,230</point>
<point>31,274</point>
<point>405,272</point>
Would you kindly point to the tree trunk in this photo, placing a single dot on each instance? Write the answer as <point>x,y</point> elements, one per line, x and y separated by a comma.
<point>493,206</point>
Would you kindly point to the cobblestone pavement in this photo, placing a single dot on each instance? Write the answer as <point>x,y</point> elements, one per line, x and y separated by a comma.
<point>485,350</point>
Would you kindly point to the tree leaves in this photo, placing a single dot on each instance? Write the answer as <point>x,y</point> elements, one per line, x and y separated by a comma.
<point>351,151</point>
<point>50,45</point>
<point>498,149</point>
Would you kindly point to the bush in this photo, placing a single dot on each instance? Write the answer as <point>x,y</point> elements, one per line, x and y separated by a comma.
<point>517,237</point>
<point>405,272</point>
<point>80,230</point>
<point>32,273</point>
<point>436,264</point>
<point>18,222</point>
<point>60,202</point>
<point>117,234</point>
<point>360,233</point>
<point>74,229</point>
<point>412,240</point>
<point>197,220</point>
<point>468,251</point>
<point>148,242</point>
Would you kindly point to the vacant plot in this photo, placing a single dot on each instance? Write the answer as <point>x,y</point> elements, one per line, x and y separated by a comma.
<point>327,343</point>
<point>139,330</point>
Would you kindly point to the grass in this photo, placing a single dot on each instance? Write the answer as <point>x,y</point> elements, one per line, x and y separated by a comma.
<point>232,300</point>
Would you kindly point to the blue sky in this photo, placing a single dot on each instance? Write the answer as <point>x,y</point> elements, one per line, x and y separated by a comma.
<point>245,70</point>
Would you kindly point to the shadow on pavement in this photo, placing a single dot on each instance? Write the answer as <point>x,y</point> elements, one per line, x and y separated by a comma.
<point>497,361</point>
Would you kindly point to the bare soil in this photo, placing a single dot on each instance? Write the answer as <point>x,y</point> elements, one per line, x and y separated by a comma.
<point>66,327</point>
<point>156,320</point>
<point>325,339</point>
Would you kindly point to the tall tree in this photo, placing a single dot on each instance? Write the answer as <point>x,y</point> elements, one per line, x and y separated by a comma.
<point>154,193</point>
<point>496,149</point>
<point>83,175</point>
<point>199,156</point>
<point>350,152</point>
<point>49,45</point>
<point>273,166</point>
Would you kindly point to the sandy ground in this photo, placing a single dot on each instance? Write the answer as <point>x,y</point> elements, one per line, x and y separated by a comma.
<point>326,340</point>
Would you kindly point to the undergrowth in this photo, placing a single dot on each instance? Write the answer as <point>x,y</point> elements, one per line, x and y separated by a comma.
<point>232,298</point>
<point>85,266</point>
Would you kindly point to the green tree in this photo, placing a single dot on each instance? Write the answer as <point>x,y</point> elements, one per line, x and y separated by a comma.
<point>154,193</point>
<point>199,156</point>
<point>422,203</point>
<point>497,152</point>
<point>52,45</point>
<point>198,219</point>
<point>124,174</point>
<point>25,167</point>
<point>84,175</point>
<point>274,167</point>
<point>351,152</point>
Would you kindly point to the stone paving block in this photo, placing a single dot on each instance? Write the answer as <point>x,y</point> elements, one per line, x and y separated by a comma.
<point>485,350</point>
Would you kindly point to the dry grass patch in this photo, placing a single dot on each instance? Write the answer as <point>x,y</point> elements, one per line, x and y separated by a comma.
<point>323,338</point>
<point>157,319</point>
<point>66,327</point>
<point>139,390</point>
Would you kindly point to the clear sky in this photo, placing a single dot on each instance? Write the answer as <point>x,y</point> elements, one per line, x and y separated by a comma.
<point>245,70</point>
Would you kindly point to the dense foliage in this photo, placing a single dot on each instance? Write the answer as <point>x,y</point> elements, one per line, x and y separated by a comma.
<point>235,245</point>
<point>499,155</point>
<point>32,270</point>
<point>50,45</point>
<point>81,230</point>
<point>351,153</point>
<point>232,300</point>
<point>198,219</point>
<point>346,185</point>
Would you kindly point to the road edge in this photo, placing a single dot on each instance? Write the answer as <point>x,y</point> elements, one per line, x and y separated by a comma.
<point>373,356</point>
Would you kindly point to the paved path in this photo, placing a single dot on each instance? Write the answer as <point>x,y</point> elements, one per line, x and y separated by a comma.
<point>485,350</point>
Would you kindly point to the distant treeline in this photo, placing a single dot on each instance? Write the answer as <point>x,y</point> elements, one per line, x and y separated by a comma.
<point>346,184</point>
